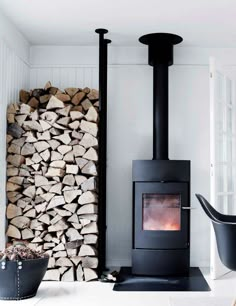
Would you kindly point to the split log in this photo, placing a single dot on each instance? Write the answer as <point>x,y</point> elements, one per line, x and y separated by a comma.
<point>51,262</point>
<point>93,94</point>
<point>81,162</point>
<point>41,146</point>
<point>41,180</point>
<point>54,144</point>
<point>71,195</point>
<point>64,111</point>
<point>56,201</point>
<point>90,168</point>
<point>44,136</point>
<point>62,212</point>
<point>89,127</point>
<point>32,125</point>
<point>89,274</point>
<point>14,130</point>
<point>64,262</point>
<point>90,239</point>
<point>88,141</point>
<point>72,169</point>
<point>91,228</point>
<point>78,150</point>
<point>73,219</point>
<point>52,274</point>
<point>89,184</point>
<point>12,187</point>
<point>91,217</point>
<point>76,135</point>
<point>74,244</point>
<point>54,103</point>
<point>20,222</point>
<point>68,276</point>
<point>20,119</point>
<point>64,121</point>
<point>50,117</point>
<point>69,157</point>
<point>24,96</point>
<point>92,115</point>
<point>56,219</point>
<point>90,262</point>
<point>78,97</point>
<point>59,247</point>
<point>73,234</point>
<point>13,211</point>
<point>30,191</point>
<point>91,154</point>
<point>27,149</point>
<point>71,91</point>
<point>69,180</point>
<point>60,254</point>
<point>87,250</point>
<point>13,232</point>
<point>45,218</point>
<point>56,156</point>
<point>86,104</point>
<point>74,125</point>
<point>55,172</point>
<point>59,226</point>
<point>88,197</point>
<point>63,97</point>
<point>13,196</point>
<point>87,209</point>
<point>75,115</point>
<point>64,138</point>
<point>44,125</point>
<point>63,149</point>
<point>12,171</point>
<point>30,213</point>
<point>56,188</point>
<point>79,273</point>
<point>15,160</point>
<point>80,179</point>
<point>72,207</point>
<point>27,234</point>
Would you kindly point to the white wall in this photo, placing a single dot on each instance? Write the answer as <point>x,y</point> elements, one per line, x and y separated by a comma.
<point>14,75</point>
<point>130,127</point>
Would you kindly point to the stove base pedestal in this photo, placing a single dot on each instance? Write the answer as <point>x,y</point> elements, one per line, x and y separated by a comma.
<point>160,262</point>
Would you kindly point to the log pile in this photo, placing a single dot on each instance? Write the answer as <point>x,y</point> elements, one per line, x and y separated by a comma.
<point>52,178</point>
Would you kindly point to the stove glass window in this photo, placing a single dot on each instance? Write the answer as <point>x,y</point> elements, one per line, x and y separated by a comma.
<point>161,212</point>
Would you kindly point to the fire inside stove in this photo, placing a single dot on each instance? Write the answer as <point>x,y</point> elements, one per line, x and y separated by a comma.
<point>161,212</point>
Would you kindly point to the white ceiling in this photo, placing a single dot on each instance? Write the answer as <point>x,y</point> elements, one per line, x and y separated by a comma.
<point>204,23</point>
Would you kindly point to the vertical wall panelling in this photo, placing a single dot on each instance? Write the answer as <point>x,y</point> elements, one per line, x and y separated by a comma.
<point>14,75</point>
<point>63,77</point>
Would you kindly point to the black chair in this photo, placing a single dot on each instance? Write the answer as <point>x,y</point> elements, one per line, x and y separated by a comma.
<point>225,231</point>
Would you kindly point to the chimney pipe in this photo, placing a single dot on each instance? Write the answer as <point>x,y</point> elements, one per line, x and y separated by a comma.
<point>160,56</point>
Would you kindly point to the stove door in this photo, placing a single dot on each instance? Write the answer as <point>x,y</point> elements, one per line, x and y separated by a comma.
<point>161,220</point>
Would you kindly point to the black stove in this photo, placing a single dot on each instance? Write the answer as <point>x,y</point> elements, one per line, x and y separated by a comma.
<point>161,187</point>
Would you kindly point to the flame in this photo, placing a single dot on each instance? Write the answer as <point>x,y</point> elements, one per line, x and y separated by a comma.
<point>161,214</point>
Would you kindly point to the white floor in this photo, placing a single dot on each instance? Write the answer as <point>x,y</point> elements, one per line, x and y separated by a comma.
<point>100,294</point>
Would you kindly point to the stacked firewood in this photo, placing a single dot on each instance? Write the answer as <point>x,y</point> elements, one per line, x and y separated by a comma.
<point>51,178</point>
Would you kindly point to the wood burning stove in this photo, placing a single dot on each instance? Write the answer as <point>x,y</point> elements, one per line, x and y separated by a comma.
<point>161,187</point>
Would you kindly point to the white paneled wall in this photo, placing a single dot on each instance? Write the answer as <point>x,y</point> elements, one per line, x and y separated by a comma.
<point>14,75</point>
<point>63,77</point>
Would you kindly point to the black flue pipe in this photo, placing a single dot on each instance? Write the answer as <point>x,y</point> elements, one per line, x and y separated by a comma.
<point>102,149</point>
<point>160,56</point>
